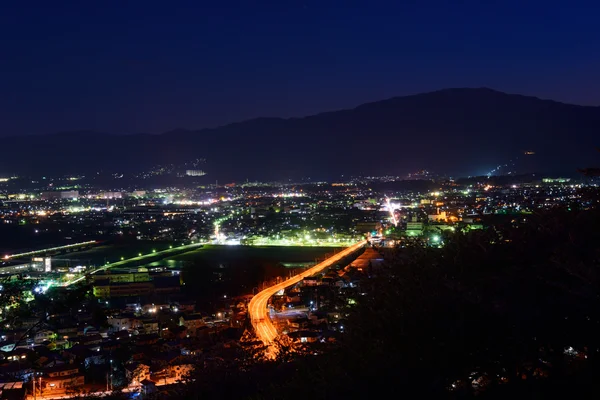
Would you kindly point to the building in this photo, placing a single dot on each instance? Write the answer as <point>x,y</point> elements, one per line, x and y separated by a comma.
<point>192,323</point>
<point>43,335</point>
<point>13,390</point>
<point>124,322</point>
<point>65,195</point>
<point>438,217</point>
<point>121,278</point>
<point>111,195</point>
<point>366,227</point>
<point>137,373</point>
<point>368,259</point>
<point>60,378</point>
<point>166,284</point>
<point>414,228</point>
<point>125,289</point>
<point>194,172</point>
<point>150,326</point>
<point>134,284</point>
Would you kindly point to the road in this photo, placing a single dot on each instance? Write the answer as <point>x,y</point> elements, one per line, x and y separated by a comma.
<point>185,247</point>
<point>258,310</point>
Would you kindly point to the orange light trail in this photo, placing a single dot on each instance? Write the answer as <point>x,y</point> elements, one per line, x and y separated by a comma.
<point>264,328</point>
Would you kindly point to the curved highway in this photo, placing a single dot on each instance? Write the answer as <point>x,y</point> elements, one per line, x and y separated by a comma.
<point>264,328</point>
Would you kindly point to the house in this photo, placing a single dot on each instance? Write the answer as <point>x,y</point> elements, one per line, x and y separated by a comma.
<point>121,335</point>
<point>17,371</point>
<point>43,335</point>
<point>19,354</point>
<point>12,335</point>
<point>146,339</point>
<point>136,373</point>
<point>93,339</point>
<point>133,307</point>
<point>318,318</point>
<point>148,387</point>
<point>304,336</point>
<point>334,281</point>
<point>190,352</point>
<point>186,306</point>
<point>95,358</point>
<point>149,325</point>
<point>12,391</point>
<point>67,332</point>
<point>179,371</point>
<point>61,377</point>
<point>192,323</point>
<point>28,322</point>
<point>298,323</point>
<point>154,308</point>
<point>124,322</point>
<point>310,281</point>
<point>110,345</point>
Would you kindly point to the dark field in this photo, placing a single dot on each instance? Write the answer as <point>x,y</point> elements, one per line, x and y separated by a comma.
<point>216,255</point>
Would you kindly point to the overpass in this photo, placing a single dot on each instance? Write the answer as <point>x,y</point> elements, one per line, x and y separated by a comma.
<point>259,313</point>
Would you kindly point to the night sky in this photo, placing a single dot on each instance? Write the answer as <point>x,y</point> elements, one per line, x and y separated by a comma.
<point>152,66</point>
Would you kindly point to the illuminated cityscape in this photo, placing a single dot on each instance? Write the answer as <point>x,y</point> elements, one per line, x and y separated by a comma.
<point>131,256</point>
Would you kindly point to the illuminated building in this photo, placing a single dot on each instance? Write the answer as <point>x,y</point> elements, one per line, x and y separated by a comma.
<point>65,195</point>
<point>194,172</point>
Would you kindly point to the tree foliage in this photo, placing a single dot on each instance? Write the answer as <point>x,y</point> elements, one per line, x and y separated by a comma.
<point>503,311</point>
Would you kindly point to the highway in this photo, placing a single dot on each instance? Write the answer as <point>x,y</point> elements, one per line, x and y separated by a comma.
<point>264,328</point>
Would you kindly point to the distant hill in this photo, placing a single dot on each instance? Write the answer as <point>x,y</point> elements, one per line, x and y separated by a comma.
<point>454,131</point>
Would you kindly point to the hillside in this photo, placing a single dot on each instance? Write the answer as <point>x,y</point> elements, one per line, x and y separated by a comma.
<point>454,131</point>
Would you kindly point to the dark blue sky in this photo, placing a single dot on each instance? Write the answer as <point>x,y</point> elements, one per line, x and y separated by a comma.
<point>151,66</point>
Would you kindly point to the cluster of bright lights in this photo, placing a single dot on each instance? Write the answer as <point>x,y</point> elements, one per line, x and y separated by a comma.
<point>187,202</point>
<point>391,211</point>
<point>42,287</point>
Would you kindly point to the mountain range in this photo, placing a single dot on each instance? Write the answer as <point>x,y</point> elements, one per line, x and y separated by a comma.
<point>451,131</point>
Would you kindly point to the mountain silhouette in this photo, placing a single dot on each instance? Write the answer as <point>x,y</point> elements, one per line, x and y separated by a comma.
<point>454,131</point>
